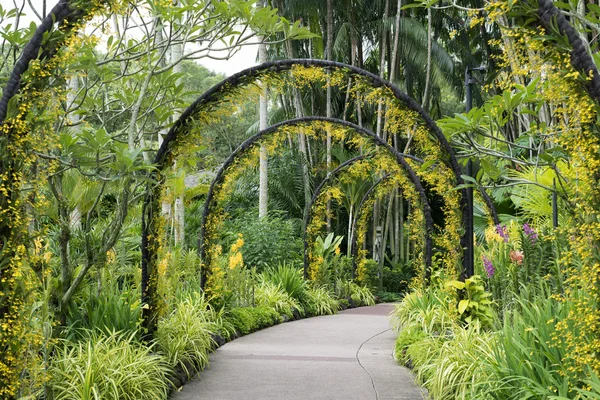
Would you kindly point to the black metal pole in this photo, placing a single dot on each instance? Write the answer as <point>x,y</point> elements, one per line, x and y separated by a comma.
<point>469,252</point>
<point>554,206</point>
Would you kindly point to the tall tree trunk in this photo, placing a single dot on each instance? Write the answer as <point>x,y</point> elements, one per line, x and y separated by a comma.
<point>263,196</point>
<point>74,120</point>
<point>427,92</point>
<point>329,111</point>
<point>394,209</point>
<point>354,60</point>
<point>386,229</point>
<point>380,124</point>
<point>179,207</point>
<point>382,52</point>
<point>298,110</point>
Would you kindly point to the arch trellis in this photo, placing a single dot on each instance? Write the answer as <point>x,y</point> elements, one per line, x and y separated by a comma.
<point>209,101</point>
<point>359,208</point>
<point>249,143</point>
<point>323,184</point>
<point>368,195</point>
<point>326,182</point>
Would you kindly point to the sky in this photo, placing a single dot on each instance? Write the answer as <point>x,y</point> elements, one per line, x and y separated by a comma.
<point>244,58</point>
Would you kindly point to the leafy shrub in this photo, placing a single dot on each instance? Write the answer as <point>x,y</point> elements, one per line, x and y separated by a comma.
<point>461,368</point>
<point>474,303</point>
<point>271,295</point>
<point>289,278</point>
<point>333,265</point>
<point>426,308</point>
<point>185,335</point>
<point>108,367</point>
<point>528,362</point>
<point>319,301</point>
<point>267,241</point>
<point>181,277</point>
<point>344,304</point>
<point>388,297</point>
<point>246,320</point>
<point>360,295</point>
<point>238,285</point>
<point>396,275</point>
<point>423,353</point>
<point>115,309</point>
<point>406,338</point>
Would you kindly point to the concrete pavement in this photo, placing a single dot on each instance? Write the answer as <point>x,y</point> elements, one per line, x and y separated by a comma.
<point>347,356</point>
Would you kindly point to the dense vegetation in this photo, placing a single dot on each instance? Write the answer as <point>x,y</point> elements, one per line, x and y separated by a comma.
<point>91,89</point>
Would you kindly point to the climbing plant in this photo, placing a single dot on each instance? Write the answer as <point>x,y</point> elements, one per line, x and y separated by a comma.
<point>28,102</point>
<point>403,117</point>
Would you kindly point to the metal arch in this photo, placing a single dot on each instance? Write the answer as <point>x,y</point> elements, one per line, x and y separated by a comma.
<point>359,209</point>
<point>299,121</point>
<point>328,178</point>
<point>326,181</point>
<point>149,215</point>
<point>248,74</point>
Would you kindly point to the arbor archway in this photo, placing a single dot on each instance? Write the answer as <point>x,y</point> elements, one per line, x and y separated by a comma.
<point>399,157</point>
<point>210,101</point>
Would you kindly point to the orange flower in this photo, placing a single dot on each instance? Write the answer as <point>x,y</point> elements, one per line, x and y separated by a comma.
<point>516,256</point>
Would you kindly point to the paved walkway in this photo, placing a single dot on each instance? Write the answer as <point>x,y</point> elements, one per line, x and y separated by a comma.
<point>347,356</point>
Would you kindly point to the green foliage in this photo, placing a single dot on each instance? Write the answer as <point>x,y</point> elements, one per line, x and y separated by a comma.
<point>423,353</point>
<point>528,362</point>
<point>526,359</point>
<point>474,302</point>
<point>246,320</point>
<point>428,309</point>
<point>115,309</point>
<point>397,276</point>
<point>238,286</point>
<point>388,297</point>
<point>593,391</point>
<point>289,278</point>
<point>360,295</point>
<point>108,367</point>
<point>185,335</point>
<point>267,241</point>
<point>332,264</point>
<point>460,370</point>
<point>449,360</point>
<point>521,257</point>
<point>271,295</point>
<point>319,301</point>
<point>407,337</point>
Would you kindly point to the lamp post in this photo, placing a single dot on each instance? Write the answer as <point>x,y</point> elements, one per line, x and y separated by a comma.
<point>469,254</point>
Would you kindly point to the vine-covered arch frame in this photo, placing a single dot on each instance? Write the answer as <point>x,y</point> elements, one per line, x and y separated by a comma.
<point>165,155</point>
<point>249,143</point>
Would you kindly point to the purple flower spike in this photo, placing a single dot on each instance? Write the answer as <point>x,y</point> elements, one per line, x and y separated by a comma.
<point>489,267</point>
<point>503,232</point>
<point>530,233</point>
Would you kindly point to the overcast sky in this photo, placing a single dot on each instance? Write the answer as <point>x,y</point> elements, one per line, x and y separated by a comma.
<point>245,58</point>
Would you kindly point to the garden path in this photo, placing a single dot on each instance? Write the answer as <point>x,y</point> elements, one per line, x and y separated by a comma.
<point>347,356</point>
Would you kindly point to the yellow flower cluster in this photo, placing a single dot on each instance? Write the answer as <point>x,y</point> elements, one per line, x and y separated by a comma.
<point>528,54</point>
<point>235,255</point>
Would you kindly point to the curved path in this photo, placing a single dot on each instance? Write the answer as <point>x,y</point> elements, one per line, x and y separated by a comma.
<point>347,356</point>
